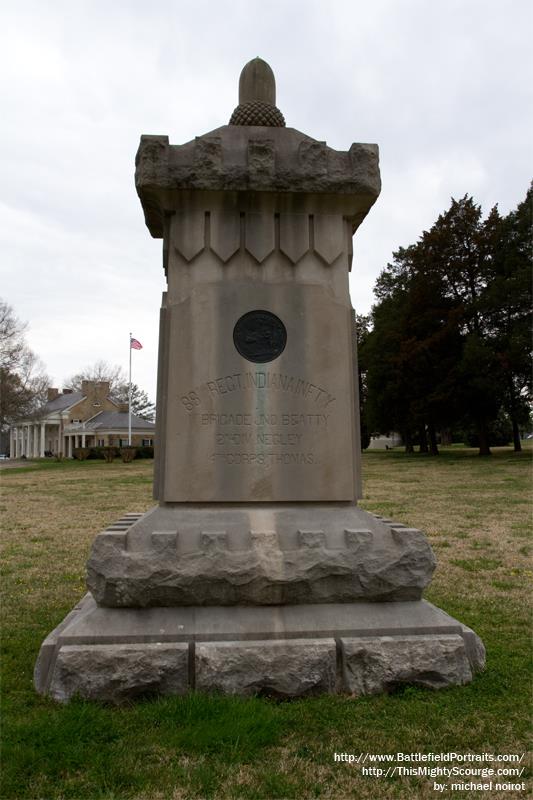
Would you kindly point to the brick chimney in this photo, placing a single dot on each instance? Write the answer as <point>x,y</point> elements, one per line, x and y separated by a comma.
<point>96,391</point>
<point>123,408</point>
<point>102,390</point>
<point>51,393</point>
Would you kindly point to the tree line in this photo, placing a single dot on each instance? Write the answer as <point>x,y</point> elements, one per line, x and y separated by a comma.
<point>446,350</point>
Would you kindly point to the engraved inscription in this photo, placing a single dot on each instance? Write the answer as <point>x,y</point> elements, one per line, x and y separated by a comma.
<point>309,420</point>
<point>190,400</point>
<point>264,439</point>
<point>265,459</point>
<point>249,381</point>
<point>293,436</point>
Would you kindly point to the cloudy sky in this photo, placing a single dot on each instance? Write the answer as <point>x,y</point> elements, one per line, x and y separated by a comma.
<point>443,86</point>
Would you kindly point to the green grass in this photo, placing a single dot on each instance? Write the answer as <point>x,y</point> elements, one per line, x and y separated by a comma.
<point>218,747</point>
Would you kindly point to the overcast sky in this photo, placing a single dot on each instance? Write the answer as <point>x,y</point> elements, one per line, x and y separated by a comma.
<point>443,86</point>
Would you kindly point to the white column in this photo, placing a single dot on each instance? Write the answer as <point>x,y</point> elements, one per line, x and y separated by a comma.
<point>16,445</point>
<point>34,451</point>
<point>59,440</point>
<point>23,443</point>
<point>11,440</point>
<point>42,445</point>
<point>69,446</point>
<point>83,440</point>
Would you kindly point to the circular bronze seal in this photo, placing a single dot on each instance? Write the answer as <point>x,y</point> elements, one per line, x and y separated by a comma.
<point>260,336</point>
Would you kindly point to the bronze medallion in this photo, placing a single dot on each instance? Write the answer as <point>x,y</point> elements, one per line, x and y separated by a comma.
<point>260,336</point>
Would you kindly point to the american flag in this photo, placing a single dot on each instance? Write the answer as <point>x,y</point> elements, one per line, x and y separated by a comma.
<point>135,344</point>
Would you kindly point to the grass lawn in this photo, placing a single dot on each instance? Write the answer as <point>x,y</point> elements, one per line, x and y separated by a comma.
<point>477,514</point>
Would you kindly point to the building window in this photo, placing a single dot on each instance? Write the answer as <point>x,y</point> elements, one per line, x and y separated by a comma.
<point>147,442</point>
<point>122,442</point>
<point>100,443</point>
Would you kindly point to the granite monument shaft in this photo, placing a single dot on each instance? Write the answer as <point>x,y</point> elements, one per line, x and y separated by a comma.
<point>256,572</point>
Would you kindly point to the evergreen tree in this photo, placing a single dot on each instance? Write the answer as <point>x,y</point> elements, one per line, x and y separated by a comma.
<point>450,338</point>
<point>460,249</point>
<point>411,353</point>
<point>508,304</point>
<point>141,405</point>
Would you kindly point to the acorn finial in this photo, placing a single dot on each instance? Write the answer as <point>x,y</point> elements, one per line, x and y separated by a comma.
<point>257,97</point>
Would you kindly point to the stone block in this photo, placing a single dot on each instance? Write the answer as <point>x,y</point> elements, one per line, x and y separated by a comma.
<point>189,233</point>
<point>165,542</point>
<point>261,158</point>
<point>311,539</point>
<point>357,538</point>
<point>259,234</point>
<point>208,157</point>
<point>116,673</point>
<point>294,235</point>
<point>313,156</point>
<point>225,233</point>
<point>330,236</point>
<point>274,668</point>
<point>377,664</point>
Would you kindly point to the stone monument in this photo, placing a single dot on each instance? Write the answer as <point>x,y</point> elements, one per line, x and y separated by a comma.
<point>256,572</point>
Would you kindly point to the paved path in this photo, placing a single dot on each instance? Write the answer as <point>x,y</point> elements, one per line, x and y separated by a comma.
<point>15,462</point>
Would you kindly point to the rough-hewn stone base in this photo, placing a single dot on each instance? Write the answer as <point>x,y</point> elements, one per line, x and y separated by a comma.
<point>257,555</point>
<point>115,654</point>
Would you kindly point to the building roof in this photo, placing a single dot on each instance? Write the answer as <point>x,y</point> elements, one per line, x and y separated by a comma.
<point>61,402</point>
<point>118,420</point>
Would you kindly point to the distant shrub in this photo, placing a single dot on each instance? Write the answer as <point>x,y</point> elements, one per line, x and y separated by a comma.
<point>145,451</point>
<point>95,452</point>
<point>109,453</point>
<point>127,454</point>
<point>81,453</point>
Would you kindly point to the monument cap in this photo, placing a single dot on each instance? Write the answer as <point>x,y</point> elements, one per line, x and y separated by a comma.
<point>257,82</point>
<point>257,97</point>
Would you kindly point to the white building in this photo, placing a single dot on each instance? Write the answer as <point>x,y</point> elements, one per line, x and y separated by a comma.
<point>70,419</point>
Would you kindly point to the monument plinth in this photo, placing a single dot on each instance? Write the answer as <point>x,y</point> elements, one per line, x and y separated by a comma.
<point>256,571</point>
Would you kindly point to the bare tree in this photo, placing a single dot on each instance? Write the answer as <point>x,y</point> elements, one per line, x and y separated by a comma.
<point>12,340</point>
<point>23,380</point>
<point>99,371</point>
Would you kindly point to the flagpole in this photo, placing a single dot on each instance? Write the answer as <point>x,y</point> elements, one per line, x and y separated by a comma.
<point>129,401</point>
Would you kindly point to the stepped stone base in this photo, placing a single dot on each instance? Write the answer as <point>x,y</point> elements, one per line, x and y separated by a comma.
<point>116,654</point>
